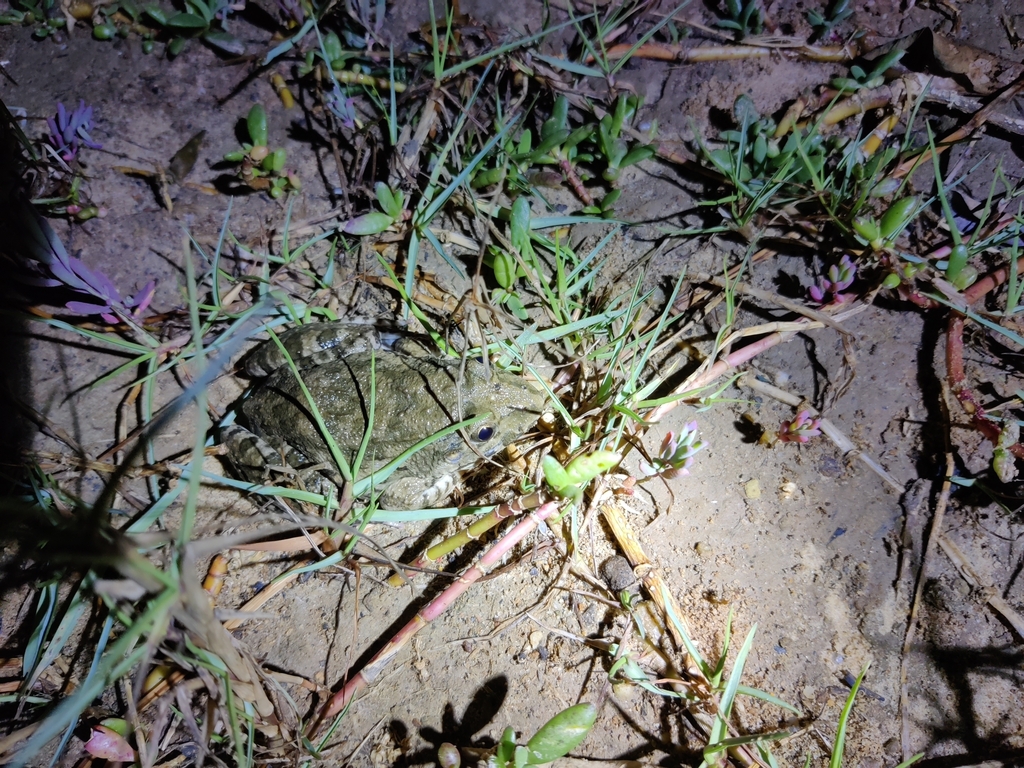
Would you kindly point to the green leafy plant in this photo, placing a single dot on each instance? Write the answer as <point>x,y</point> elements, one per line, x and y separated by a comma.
<point>556,738</point>
<point>881,233</point>
<point>558,144</point>
<point>599,146</point>
<point>570,481</point>
<point>745,17</point>
<point>860,78</point>
<point>761,167</point>
<point>373,223</point>
<point>202,19</point>
<point>826,21</point>
<point>616,150</point>
<point>121,19</point>
<point>44,14</point>
<point>507,269</point>
<point>261,167</point>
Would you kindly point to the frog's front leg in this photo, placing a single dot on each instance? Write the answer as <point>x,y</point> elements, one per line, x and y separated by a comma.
<point>256,458</point>
<point>416,492</point>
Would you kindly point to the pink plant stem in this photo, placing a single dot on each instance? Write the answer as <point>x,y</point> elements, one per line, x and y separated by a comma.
<point>723,366</point>
<point>431,611</point>
<point>991,281</point>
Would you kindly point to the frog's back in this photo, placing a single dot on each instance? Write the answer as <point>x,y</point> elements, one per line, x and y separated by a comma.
<point>414,397</point>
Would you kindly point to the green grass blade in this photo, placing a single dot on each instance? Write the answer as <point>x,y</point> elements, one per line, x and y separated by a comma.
<point>691,649</point>
<point>839,745</point>
<point>1016,338</point>
<point>119,659</point>
<point>506,48</point>
<point>642,40</point>
<point>567,66</point>
<point>427,215</point>
<point>759,694</point>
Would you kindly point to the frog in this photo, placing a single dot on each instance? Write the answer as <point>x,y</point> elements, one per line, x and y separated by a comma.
<point>417,394</point>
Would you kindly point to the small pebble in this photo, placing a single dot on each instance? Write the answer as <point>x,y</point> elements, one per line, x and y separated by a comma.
<point>624,691</point>
<point>702,549</point>
<point>830,467</point>
<point>752,488</point>
<point>617,573</point>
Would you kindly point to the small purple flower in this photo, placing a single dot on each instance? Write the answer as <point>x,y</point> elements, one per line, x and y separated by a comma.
<point>801,429</point>
<point>676,454</point>
<point>69,133</point>
<point>840,277</point>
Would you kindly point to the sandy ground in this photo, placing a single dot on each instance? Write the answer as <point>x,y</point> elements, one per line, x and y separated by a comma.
<point>821,555</point>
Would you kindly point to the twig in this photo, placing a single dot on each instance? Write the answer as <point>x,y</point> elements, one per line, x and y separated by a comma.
<point>933,536</point>
<point>979,119</point>
<point>703,378</point>
<point>472,532</point>
<point>772,298</point>
<point>971,576</point>
<point>830,430</point>
<point>650,576</point>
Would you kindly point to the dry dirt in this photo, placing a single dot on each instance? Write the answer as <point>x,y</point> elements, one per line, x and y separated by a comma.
<point>822,560</point>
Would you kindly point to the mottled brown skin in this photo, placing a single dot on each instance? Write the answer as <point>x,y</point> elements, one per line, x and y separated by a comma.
<point>416,396</point>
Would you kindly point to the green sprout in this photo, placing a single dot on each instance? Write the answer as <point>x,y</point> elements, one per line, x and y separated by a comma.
<point>859,78</point>
<point>202,19</point>
<point>259,166</point>
<point>616,150</point>
<point>570,481</point>
<point>745,18</point>
<point>392,210</point>
<point>881,233</point>
<point>825,22</point>
<point>556,738</point>
<point>121,19</point>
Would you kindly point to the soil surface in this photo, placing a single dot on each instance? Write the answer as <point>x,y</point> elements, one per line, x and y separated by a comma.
<point>802,541</point>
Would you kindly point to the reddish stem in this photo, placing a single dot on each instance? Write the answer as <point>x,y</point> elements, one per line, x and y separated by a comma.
<point>991,281</point>
<point>575,182</point>
<point>955,358</point>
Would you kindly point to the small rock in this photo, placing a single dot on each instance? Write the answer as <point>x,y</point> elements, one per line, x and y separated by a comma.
<point>617,573</point>
<point>752,488</point>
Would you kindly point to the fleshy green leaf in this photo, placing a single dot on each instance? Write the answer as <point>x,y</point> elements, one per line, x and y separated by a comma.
<point>186,21</point>
<point>561,734</point>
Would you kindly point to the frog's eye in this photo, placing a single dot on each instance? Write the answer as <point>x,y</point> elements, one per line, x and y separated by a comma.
<point>483,434</point>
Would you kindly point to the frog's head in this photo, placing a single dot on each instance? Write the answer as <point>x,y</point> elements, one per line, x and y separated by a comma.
<point>512,406</point>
